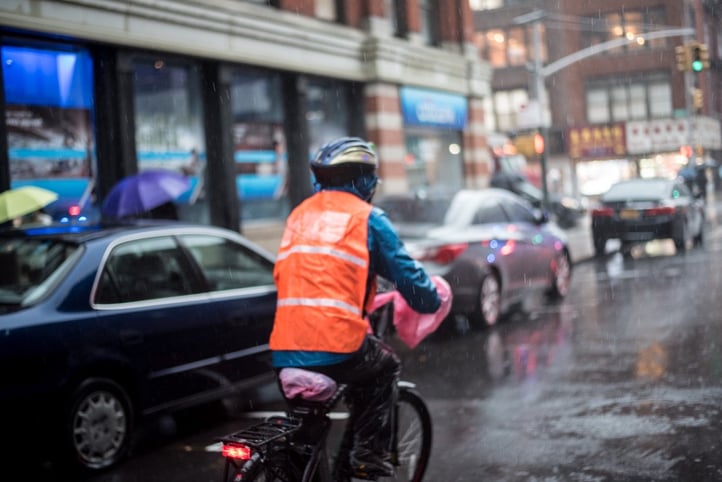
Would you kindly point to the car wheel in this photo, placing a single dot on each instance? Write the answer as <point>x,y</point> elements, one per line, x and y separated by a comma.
<point>489,307</point>
<point>561,277</point>
<point>600,246</point>
<point>680,240</point>
<point>98,424</point>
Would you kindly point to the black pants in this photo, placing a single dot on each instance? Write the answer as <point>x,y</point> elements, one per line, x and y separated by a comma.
<point>371,376</point>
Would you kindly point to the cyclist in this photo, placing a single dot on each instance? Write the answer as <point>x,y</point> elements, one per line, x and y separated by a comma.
<point>333,246</point>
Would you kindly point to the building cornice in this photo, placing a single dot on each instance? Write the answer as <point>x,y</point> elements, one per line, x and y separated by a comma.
<point>246,33</point>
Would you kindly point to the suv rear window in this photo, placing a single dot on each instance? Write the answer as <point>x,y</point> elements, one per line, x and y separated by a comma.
<point>30,268</point>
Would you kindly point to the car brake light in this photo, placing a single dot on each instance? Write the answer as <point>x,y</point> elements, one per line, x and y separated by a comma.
<point>602,212</point>
<point>74,210</point>
<point>659,211</point>
<point>236,451</point>
<point>445,254</point>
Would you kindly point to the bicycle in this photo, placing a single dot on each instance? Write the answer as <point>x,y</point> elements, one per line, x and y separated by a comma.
<point>294,447</point>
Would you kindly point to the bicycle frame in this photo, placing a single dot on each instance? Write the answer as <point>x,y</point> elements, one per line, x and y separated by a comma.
<point>301,436</point>
<point>304,431</point>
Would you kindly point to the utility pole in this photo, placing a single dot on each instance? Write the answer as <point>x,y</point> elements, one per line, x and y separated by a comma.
<point>539,93</point>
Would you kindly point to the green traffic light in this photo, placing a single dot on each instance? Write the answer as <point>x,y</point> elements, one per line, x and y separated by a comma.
<point>697,66</point>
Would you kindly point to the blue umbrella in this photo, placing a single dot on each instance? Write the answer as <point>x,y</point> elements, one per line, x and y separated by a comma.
<point>144,191</point>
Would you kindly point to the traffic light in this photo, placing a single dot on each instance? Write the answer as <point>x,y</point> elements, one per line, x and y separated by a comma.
<point>699,57</point>
<point>697,99</point>
<point>682,56</point>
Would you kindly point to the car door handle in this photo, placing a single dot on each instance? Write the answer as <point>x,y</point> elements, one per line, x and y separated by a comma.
<point>131,337</point>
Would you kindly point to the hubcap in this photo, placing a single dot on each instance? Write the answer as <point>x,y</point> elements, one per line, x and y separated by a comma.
<point>563,275</point>
<point>490,299</point>
<point>99,428</point>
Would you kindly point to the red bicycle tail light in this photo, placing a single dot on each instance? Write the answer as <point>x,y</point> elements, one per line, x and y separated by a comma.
<point>602,212</point>
<point>237,452</point>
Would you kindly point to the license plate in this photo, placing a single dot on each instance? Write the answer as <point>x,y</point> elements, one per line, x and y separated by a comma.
<point>628,214</point>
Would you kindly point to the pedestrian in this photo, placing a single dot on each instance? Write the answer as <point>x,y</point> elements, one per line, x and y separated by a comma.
<point>334,245</point>
<point>700,179</point>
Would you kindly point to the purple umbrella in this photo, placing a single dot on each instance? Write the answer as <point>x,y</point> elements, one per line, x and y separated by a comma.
<point>144,191</point>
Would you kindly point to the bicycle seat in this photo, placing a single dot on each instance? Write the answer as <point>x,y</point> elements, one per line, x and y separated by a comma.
<point>306,385</point>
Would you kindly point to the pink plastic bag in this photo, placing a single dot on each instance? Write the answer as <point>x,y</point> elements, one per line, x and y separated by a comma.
<point>306,384</point>
<point>412,327</point>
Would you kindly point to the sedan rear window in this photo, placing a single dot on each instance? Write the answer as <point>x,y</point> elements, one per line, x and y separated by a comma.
<point>30,267</point>
<point>638,189</point>
<point>420,210</point>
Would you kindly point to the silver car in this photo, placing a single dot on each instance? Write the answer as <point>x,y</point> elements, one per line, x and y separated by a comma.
<point>490,245</point>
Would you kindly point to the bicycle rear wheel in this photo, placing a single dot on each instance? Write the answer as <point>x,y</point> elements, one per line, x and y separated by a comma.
<point>413,437</point>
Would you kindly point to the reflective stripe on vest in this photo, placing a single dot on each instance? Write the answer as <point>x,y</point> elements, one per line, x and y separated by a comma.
<point>321,274</point>
<point>322,250</point>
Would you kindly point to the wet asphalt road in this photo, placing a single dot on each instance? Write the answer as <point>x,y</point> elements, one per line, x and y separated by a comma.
<point>622,381</point>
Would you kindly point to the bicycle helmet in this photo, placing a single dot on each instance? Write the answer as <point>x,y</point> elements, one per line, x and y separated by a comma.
<point>344,160</point>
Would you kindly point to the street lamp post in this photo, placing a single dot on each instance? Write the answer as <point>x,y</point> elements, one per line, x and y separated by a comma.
<point>539,93</point>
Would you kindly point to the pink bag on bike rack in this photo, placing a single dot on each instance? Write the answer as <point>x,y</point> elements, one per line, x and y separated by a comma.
<point>412,327</point>
<point>306,384</point>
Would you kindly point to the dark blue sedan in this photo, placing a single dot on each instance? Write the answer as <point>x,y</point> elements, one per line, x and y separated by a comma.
<point>102,326</point>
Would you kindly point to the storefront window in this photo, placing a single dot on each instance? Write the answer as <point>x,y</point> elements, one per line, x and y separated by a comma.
<point>433,123</point>
<point>433,160</point>
<point>49,124</point>
<point>327,112</point>
<point>259,144</point>
<point>169,127</point>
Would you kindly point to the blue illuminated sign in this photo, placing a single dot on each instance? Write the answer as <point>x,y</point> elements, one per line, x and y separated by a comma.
<point>430,108</point>
<point>47,77</point>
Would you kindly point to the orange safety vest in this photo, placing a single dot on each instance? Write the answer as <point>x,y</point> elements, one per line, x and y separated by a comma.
<point>321,274</point>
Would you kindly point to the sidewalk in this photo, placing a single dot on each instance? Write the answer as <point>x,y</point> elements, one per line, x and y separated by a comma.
<point>580,236</point>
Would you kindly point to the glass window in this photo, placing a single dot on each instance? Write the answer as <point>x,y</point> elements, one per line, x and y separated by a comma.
<point>433,160</point>
<point>326,10</point>
<point>660,100</point>
<point>639,98</point>
<point>49,122</point>
<point>632,28</point>
<point>620,103</point>
<point>507,105</point>
<point>169,126</point>
<point>637,102</point>
<point>259,144</point>
<point>597,106</point>
<point>517,212</point>
<point>531,48</point>
<point>228,265</point>
<point>496,48</point>
<point>391,11</point>
<point>488,214</point>
<point>30,267</point>
<point>142,270</point>
<point>516,47</point>
<point>629,24</point>
<point>429,21</point>
<point>326,112</point>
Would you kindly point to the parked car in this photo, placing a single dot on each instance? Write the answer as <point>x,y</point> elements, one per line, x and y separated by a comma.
<point>640,210</point>
<point>565,210</point>
<point>105,325</point>
<point>491,246</point>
